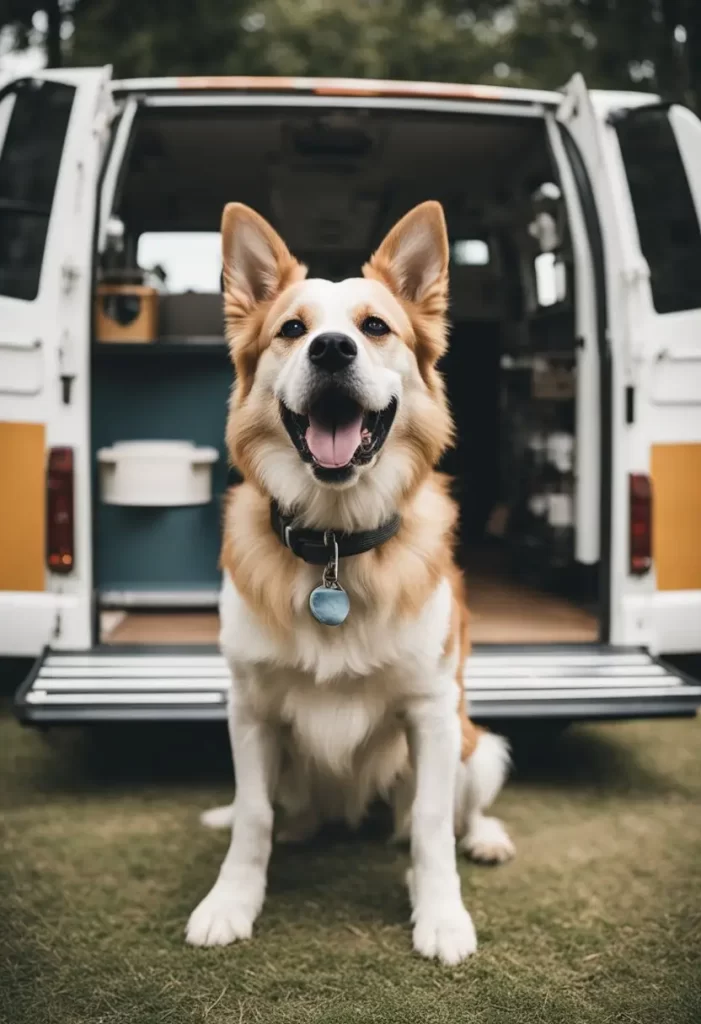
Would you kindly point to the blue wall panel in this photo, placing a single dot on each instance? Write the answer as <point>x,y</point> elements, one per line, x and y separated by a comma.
<point>152,396</point>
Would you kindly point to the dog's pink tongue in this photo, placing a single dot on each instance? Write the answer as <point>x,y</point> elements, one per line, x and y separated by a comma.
<point>333,446</point>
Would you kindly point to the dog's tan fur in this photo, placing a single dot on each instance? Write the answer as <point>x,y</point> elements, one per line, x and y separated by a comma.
<point>399,576</point>
<point>322,718</point>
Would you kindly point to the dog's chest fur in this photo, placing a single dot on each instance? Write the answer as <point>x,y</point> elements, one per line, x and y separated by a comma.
<point>333,686</point>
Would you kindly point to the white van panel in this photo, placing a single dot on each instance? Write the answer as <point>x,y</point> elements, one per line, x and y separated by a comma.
<point>656,154</point>
<point>44,343</point>
<point>676,380</point>
<point>28,621</point>
<point>21,370</point>
<point>664,622</point>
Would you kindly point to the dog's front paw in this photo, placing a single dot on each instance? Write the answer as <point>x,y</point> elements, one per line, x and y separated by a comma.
<point>221,918</point>
<point>446,934</point>
<point>487,841</point>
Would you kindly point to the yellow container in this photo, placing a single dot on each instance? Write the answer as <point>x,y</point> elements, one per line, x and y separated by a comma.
<point>126,313</point>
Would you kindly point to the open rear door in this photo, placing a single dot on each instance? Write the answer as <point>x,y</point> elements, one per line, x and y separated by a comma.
<point>53,128</point>
<point>659,148</point>
<point>590,297</point>
<point>640,162</point>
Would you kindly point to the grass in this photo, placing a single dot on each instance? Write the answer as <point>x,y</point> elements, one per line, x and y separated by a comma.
<point>597,920</point>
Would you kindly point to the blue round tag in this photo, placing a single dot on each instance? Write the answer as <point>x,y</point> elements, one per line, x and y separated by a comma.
<point>329,605</point>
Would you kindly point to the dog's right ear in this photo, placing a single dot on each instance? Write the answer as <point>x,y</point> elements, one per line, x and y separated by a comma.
<point>257,263</point>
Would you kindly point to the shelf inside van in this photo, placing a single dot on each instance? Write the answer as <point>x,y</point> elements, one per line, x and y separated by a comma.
<point>167,347</point>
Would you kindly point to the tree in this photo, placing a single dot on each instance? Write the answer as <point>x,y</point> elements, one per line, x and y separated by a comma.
<point>158,37</point>
<point>19,17</point>
<point>649,44</point>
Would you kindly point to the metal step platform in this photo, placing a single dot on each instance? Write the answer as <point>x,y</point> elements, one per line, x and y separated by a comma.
<point>109,684</point>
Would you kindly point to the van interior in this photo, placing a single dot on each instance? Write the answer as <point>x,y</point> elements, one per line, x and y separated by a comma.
<point>333,181</point>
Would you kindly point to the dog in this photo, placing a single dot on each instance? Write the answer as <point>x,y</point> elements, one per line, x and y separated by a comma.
<point>343,615</point>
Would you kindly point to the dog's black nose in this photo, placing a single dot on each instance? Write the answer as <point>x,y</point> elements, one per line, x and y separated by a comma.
<point>332,352</point>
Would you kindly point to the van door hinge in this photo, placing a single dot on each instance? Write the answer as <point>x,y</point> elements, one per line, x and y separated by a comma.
<point>66,367</point>
<point>105,112</point>
<point>633,275</point>
<point>630,405</point>
<point>568,109</point>
<point>70,275</point>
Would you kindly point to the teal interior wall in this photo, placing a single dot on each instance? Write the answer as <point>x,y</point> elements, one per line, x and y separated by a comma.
<point>140,394</point>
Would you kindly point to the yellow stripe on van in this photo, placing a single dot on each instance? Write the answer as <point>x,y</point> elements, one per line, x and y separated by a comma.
<point>22,506</point>
<point>676,515</point>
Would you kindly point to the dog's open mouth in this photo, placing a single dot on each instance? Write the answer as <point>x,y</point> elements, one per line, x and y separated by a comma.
<point>337,433</point>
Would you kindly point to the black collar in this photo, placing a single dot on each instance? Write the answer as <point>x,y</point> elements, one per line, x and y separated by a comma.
<point>316,546</point>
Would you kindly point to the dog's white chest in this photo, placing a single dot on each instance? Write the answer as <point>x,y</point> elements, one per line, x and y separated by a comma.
<point>337,690</point>
<point>366,645</point>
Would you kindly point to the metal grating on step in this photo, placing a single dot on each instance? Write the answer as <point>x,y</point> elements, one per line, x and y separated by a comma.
<point>191,684</point>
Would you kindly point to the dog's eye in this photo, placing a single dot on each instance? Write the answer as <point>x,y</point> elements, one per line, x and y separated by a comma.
<point>375,327</point>
<point>292,329</point>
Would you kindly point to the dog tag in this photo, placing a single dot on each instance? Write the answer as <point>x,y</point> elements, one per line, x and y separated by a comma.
<point>329,604</point>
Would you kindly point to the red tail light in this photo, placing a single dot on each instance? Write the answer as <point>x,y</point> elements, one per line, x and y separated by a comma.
<point>640,524</point>
<point>60,533</point>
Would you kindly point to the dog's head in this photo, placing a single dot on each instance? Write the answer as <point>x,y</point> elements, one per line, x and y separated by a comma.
<point>337,404</point>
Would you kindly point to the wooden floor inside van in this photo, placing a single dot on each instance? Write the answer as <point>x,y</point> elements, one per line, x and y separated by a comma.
<point>502,612</point>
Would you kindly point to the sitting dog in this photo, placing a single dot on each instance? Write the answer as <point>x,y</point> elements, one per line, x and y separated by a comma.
<point>343,617</point>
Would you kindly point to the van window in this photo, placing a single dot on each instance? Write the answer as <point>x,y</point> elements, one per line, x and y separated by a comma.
<point>668,227</point>
<point>188,261</point>
<point>29,165</point>
<point>470,252</point>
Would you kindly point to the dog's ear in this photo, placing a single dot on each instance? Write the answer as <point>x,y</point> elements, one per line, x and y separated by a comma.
<point>257,263</point>
<point>413,263</point>
<point>413,259</point>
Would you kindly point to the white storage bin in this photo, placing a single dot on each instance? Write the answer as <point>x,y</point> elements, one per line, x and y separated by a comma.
<point>156,473</point>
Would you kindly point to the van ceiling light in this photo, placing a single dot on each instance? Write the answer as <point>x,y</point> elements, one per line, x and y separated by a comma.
<point>471,252</point>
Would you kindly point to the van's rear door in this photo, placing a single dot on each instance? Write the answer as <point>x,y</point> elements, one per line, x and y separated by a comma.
<point>53,128</point>
<point>659,148</point>
<point>642,160</point>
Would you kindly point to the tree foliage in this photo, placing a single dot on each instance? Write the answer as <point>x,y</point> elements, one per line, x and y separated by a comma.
<point>615,43</point>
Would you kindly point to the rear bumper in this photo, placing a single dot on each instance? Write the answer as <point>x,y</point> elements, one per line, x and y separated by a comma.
<point>27,621</point>
<point>30,619</point>
<point>666,620</point>
<point>191,684</point>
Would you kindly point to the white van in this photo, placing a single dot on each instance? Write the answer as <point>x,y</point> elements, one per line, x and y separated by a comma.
<point>574,370</point>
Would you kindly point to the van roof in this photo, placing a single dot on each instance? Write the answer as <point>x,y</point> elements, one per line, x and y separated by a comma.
<point>339,87</point>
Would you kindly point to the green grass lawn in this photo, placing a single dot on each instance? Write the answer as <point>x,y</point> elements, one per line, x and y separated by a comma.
<point>598,918</point>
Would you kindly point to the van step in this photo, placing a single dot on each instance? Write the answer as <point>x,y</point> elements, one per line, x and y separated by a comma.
<point>159,684</point>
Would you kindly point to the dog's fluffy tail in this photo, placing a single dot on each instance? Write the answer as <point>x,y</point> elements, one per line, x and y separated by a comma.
<point>218,817</point>
<point>486,770</point>
<point>479,780</point>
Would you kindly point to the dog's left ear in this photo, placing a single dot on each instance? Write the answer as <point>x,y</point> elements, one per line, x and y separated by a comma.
<point>413,259</point>
<point>413,263</point>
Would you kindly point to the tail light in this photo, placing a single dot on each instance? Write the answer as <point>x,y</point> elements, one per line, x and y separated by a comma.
<point>60,531</point>
<point>640,524</point>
